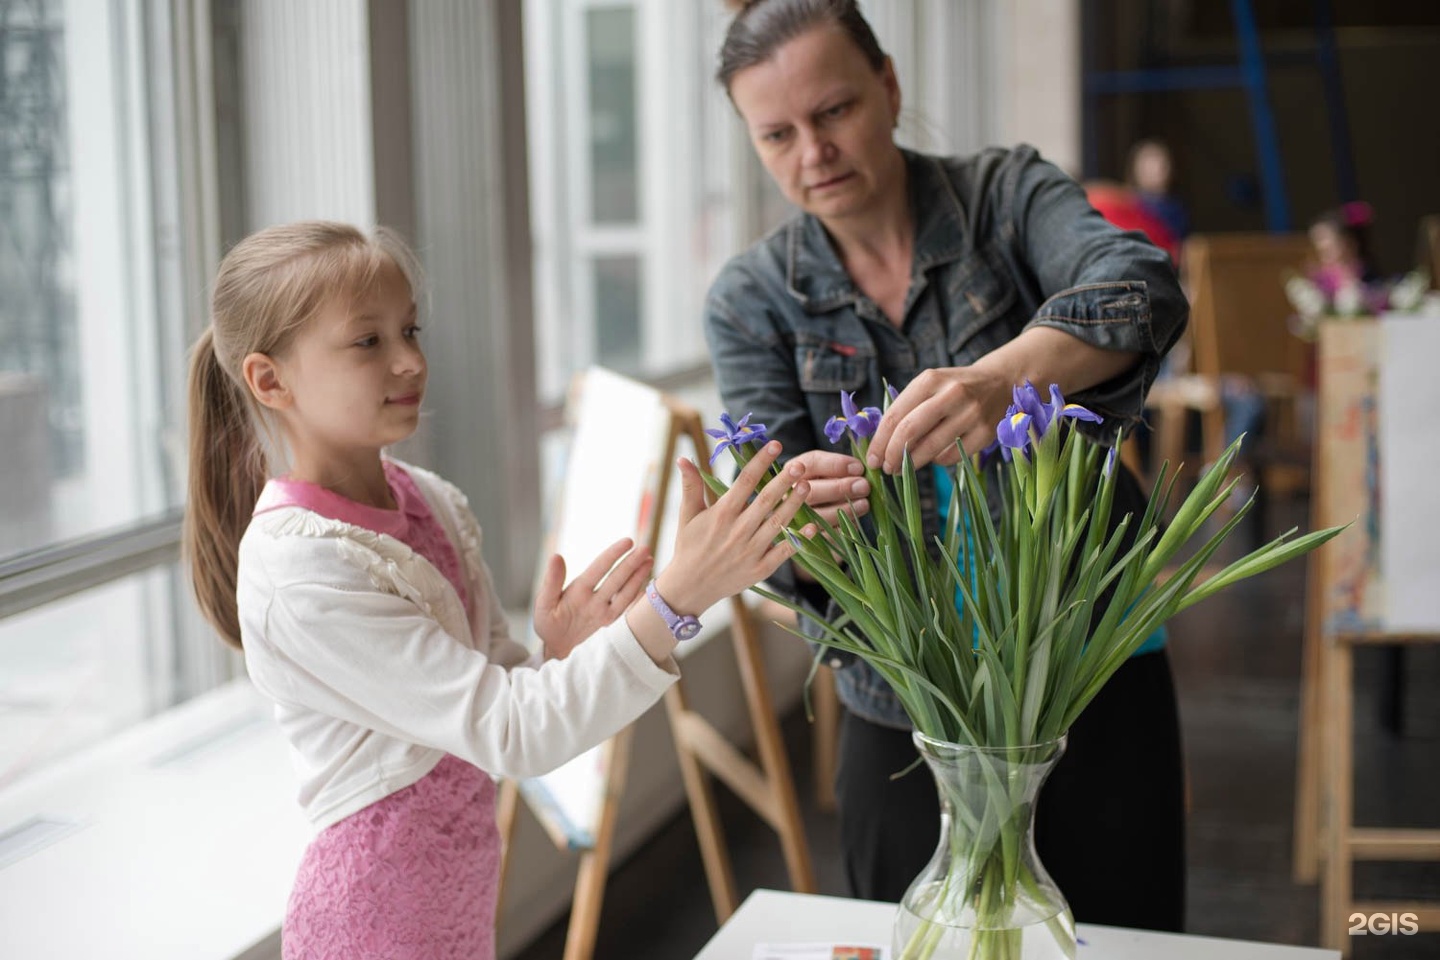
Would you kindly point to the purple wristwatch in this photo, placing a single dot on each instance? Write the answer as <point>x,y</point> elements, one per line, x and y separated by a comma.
<point>682,627</point>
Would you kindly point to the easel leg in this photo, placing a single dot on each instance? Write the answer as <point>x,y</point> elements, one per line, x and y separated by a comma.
<point>595,863</point>
<point>1308,773</point>
<point>708,829</point>
<point>772,751</point>
<point>1337,895</point>
<point>826,736</point>
<point>507,801</point>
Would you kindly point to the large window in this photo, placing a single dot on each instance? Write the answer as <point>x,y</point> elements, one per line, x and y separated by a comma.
<point>632,148</point>
<point>95,316</point>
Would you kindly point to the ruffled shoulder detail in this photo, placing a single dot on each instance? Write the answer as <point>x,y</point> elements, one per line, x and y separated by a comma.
<point>390,565</point>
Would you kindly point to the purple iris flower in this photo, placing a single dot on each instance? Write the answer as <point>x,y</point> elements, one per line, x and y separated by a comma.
<point>1026,399</point>
<point>1014,431</point>
<point>1110,461</point>
<point>861,423</point>
<point>1059,408</point>
<point>736,434</point>
<point>1029,411</point>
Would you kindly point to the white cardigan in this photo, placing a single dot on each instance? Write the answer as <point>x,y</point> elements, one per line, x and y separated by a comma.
<point>376,674</point>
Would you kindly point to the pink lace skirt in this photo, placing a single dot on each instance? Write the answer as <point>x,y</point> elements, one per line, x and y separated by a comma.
<point>413,876</point>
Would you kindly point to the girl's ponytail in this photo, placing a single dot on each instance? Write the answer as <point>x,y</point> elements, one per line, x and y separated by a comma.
<point>226,474</point>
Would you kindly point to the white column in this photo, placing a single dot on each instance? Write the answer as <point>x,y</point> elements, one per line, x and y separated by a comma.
<point>473,235</point>
<point>309,146</point>
<point>1039,78</point>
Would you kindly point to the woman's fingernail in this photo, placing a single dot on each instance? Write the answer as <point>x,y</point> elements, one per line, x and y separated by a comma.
<point>859,488</point>
<point>873,460</point>
<point>856,468</point>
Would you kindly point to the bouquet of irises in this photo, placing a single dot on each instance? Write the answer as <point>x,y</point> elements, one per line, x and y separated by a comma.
<point>998,631</point>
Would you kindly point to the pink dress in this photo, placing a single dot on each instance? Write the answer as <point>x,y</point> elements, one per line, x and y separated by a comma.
<point>413,876</point>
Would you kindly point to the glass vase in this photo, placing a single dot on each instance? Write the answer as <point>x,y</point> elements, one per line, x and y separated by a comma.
<point>985,895</point>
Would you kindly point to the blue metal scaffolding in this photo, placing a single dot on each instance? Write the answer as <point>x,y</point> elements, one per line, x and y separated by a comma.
<point>1249,73</point>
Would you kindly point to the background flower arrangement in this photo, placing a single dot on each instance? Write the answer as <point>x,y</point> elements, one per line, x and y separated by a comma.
<point>1408,294</point>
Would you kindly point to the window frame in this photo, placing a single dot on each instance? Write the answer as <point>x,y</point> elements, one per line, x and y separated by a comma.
<point>170,78</point>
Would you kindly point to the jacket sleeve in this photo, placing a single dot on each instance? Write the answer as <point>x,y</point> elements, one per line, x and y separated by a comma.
<point>1110,288</point>
<point>343,648</point>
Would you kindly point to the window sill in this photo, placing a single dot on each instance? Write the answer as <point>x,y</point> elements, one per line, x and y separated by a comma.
<point>176,839</point>
<point>180,837</point>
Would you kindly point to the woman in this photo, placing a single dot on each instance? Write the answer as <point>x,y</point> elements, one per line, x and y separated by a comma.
<point>951,279</point>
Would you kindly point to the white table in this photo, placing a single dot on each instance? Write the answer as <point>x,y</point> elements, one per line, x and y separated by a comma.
<point>771,916</point>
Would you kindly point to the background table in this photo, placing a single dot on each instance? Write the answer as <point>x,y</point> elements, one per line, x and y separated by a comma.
<point>770,916</point>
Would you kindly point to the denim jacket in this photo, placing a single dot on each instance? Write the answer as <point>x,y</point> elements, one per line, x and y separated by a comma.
<point>1003,240</point>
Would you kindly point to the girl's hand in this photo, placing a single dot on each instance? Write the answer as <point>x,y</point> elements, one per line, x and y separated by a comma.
<point>725,548</point>
<point>938,407</point>
<point>564,618</point>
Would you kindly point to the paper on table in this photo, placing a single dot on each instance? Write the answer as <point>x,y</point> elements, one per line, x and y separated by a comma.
<point>1408,393</point>
<point>816,951</point>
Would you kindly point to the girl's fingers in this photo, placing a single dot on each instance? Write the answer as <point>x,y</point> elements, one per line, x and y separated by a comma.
<point>627,579</point>
<point>778,519</point>
<point>779,488</point>
<point>749,478</point>
<point>781,551</point>
<point>601,565</point>
<point>692,490</point>
<point>547,595</point>
<point>633,586</point>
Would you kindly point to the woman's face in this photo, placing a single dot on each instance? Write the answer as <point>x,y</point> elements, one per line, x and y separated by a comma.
<point>821,120</point>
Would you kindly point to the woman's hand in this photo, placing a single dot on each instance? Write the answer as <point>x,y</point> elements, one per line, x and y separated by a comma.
<point>837,482</point>
<point>738,541</point>
<point>564,618</point>
<point>938,407</point>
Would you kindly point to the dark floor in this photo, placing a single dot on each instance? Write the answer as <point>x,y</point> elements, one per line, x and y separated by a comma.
<point>1236,660</point>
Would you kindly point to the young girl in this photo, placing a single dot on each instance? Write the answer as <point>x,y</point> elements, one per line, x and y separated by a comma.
<point>355,586</point>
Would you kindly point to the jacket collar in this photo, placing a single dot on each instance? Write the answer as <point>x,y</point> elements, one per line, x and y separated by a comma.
<point>814,274</point>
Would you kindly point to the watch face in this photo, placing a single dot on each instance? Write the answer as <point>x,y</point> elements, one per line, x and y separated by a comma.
<point>686,628</point>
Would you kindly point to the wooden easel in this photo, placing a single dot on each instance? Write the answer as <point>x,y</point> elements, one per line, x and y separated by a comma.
<point>1342,612</point>
<point>768,788</point>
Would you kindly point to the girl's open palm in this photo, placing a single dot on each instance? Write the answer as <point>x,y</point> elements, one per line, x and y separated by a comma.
<point>739,540</point>
<point>565,617</point>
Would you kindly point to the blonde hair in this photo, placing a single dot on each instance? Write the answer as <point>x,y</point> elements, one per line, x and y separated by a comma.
<point>268,286</point>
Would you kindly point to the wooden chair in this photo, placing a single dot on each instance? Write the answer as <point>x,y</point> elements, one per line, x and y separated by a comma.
<point>1238,328</point>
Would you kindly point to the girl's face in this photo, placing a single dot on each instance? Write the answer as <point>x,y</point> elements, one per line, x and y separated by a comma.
<point>1331,246</point>
<point>821,120</point>
<point>351,381</point>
